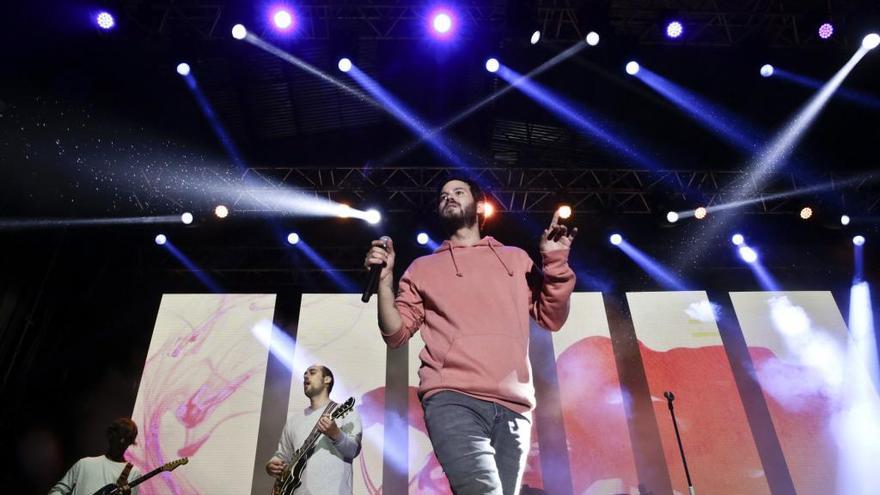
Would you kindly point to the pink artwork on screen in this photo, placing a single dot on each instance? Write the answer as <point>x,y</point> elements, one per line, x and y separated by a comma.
<point>198,378</point>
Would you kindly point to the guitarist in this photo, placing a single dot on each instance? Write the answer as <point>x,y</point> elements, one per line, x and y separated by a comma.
<point>90,474</point>
<point>329,468</point>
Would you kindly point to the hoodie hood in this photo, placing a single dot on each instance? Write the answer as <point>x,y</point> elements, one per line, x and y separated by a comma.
<point>486,242</point>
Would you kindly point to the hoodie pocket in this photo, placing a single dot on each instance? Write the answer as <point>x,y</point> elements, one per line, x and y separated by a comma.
<point>485,363</point>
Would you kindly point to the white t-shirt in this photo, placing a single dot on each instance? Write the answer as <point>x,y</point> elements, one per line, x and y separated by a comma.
<point>90,474</point>
<point>328,470</point>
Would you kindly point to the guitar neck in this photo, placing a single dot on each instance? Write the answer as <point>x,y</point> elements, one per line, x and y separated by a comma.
<point>146,477</point>
<point>312,438</point>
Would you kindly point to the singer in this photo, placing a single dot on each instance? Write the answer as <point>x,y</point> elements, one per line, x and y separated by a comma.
<point>472,299</point>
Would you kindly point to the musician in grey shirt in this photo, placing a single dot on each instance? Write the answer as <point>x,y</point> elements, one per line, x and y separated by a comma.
<point>329,469</point>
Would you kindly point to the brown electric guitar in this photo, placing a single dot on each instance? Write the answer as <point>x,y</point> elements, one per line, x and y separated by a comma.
<point>291,477</point>
<point>114,489</point>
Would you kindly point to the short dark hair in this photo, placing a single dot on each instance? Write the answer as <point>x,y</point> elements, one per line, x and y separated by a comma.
<point>476,192</point>
<point>122,429</point>
<point>326,372</point>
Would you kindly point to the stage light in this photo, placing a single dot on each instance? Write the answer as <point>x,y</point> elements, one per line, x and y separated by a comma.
<point>422,238</point>
<point>183,69</point>
<point>592,38</point>
<point>536,37</point>
<point>343,211</point>
<point>344,64</point>
<point>806,212</point>
<point>372,216</point>
<point>488,209</point>
<point>239,32</point>
<point>844,219</point>
<point>615,239</point>
<point>632,68</point>
<point>674,29</point>
<point>748,254</point>
<point>186,218</point>
<point>672,217</point>
<point>221,211</point>
<point>738,239</point>
<point>766,70</point>
<point>441,22</point>
<point>700,213</point>
<point>859,240</point>
<point>826,30</point>
<point>871,41</point>
<point>105,20</point>
<point>564,211</point>
<point>282,18</point>
<point>492,65</point>
<point>161,239</point>
<point>292,238</point>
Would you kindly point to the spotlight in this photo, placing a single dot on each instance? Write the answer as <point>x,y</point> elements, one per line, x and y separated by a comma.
<point>161,239</point>
<point>859,240</point>
<point>672,217</point>
<point>239,32</point>
<point>674,29</point>
<point>766,70</point>
<point>344,211</point>
<point>536,37</point>
<point>105,20</point>
<point>344,64</point>
<point>488,209</point>
<point>441,22</point>
<point>871,41</point>
<point>564,212</point>
<point>844,219</point>
<point>806,212</point>
<point>737,240</point>
<point>292,238</point>
<point>592,38</point>
<point>373,216</point>
<point>183,69</point>
<point>632,68</point>
<point>826,30</point>
<point>700,213</point>
<point>616,239</point>
<point>283,19</point>
<point>492,65</point>
<point>221,211</point>
<point>186,218</point>
<point>748,254</point>
<point>422,238</point>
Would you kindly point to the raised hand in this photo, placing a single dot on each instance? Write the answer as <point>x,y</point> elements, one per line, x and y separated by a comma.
<point>556,236</point>
<point>379,256</point>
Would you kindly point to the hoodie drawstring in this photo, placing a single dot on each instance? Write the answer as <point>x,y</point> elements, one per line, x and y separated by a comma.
<point>457,271</point>
<point>509,271</point>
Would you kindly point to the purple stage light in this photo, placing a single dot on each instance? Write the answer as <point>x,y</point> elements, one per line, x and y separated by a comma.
<point>826,30</point>
<point>105,20</point>
<point>442,22</point>
<point>748,254</point>
<point>674,29</point>
<point>282,18</point>
<point>766,70</point>
<point>492,65</point>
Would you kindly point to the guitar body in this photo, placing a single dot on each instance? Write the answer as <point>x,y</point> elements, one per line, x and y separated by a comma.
<point>111,489</point>
<point>114,489</point>
<point>293,479</point>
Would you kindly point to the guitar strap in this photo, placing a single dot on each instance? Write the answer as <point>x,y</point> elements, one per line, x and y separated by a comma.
<point>123,476</point>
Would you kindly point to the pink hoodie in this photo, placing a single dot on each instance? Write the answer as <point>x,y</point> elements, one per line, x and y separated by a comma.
<point>472,304</point>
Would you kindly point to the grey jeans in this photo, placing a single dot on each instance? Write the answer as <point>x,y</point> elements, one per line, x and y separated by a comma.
<point>482,446</point>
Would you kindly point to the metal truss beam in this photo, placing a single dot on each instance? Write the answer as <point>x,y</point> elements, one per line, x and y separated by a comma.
<point>622,191</point>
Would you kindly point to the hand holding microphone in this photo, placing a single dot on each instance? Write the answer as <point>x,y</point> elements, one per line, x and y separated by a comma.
<point>380,262</point>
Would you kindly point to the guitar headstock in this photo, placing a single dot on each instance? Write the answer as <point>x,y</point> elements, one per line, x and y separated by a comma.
<point>171,466</point>
<point>343,409</point>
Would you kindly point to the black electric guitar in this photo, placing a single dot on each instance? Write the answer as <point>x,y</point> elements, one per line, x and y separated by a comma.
<point>114,489</point>
<point>291,477</point>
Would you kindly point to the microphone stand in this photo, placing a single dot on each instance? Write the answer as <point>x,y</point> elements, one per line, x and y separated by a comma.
<point>669,398</point>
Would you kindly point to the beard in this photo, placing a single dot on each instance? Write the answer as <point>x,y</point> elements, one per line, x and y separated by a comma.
<point>457,218</point>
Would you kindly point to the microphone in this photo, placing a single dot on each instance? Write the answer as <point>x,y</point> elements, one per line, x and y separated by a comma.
<point>373,279</point>
<point>669,395</point>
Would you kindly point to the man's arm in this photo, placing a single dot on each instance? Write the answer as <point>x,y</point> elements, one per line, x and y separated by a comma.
<point>67,483</point>
<point>551,304</point>
<point>401,315</point>
<point>283,453</point>
<point>349,441</point>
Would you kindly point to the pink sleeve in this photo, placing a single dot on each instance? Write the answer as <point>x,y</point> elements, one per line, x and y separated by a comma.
<point>550,306</point>
<point>411,308</point>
